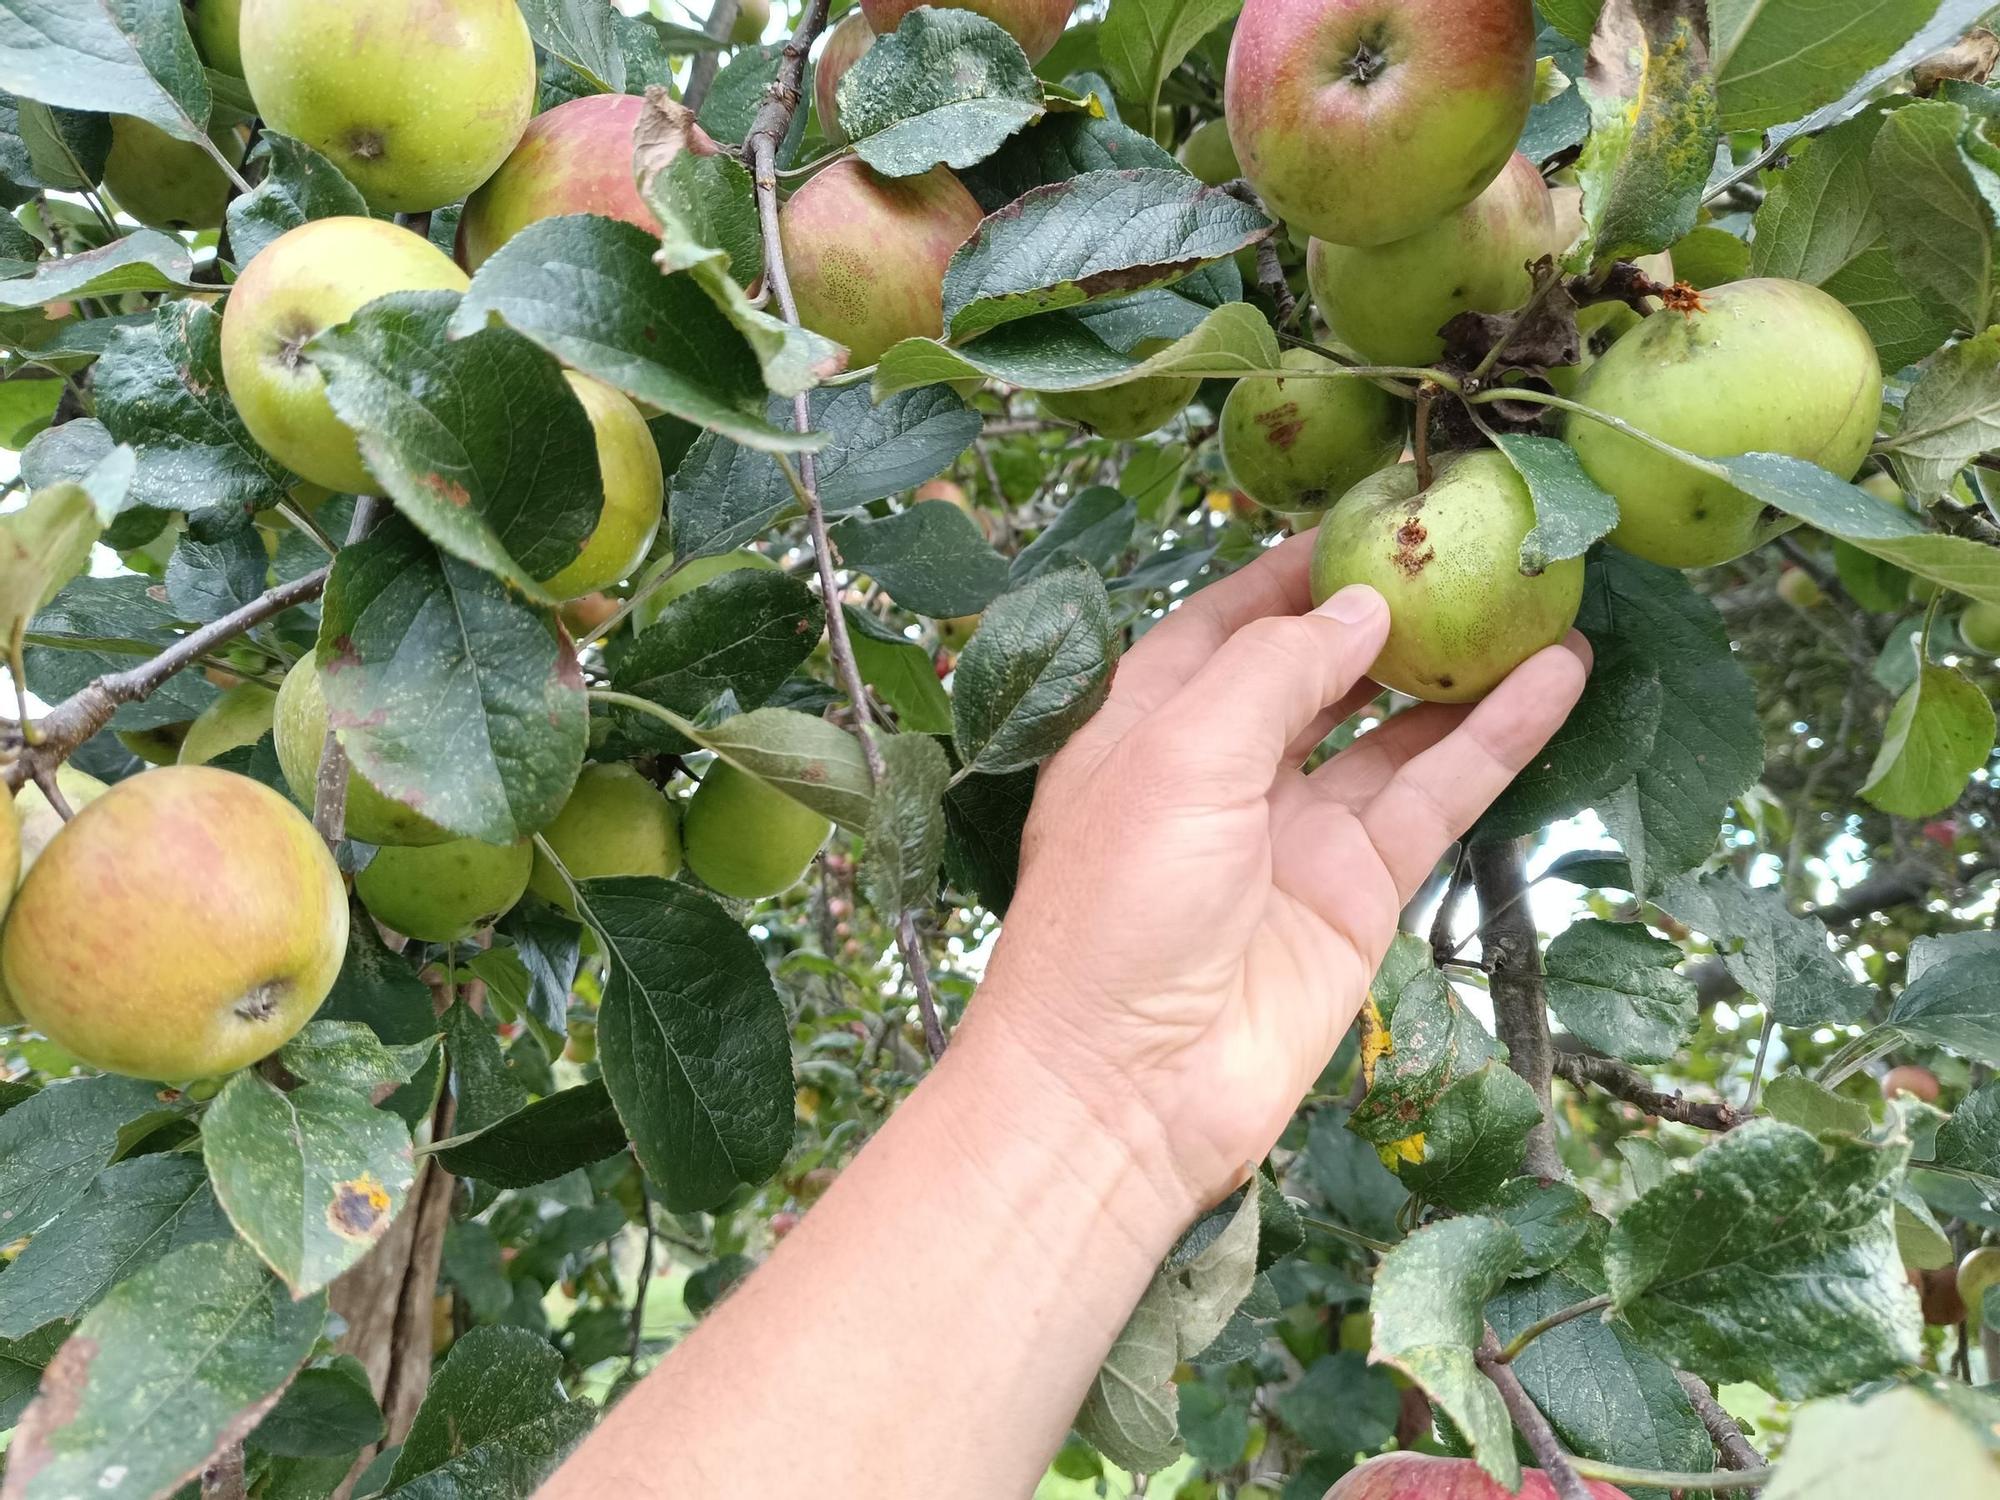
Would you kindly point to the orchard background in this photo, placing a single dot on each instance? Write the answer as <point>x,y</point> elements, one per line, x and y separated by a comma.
<point>1675,1113</point>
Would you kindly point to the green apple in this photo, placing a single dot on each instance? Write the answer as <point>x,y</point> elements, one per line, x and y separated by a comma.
<point>1978,1274</point>
<point>185,923</point>
<point>1599,325</point>
<point>616,822</point>
<point>752,18</point>
<point>1298,445</point>
<point>442,893</point>
<point>688,579</point>
<point>300,725</point>
<point>39,821</point>
<point>749,840</point>
<point>1035,24</point>
<point>1127,411</point>
<point>242,716</point>
<point>160,746</point>
<point>305,282</point>
<point>634,493</point>
<point>1979,628</point>
<point>1388,302</point>
<point>845,46</point>
<point>165,182</point>
<point>1362,121</point>
<point>1208,154</point>
<point>575,159</point>
<point>416,103</point>
<point>867,254</point>
<point>1884,488</point>
<point>217,26</point>
<point>1762,366</point>
<point>1800,589</point>
<point>1448,560</point>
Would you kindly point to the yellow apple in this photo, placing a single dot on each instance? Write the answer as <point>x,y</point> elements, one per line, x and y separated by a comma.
<point>616,822</point>
<point>634,493</point>
<point>301,734</point>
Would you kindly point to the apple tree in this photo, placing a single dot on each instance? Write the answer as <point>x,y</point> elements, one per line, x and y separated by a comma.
<point>545,543</point>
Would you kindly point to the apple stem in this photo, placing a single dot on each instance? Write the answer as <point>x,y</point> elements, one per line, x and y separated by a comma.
<point>773,121</point>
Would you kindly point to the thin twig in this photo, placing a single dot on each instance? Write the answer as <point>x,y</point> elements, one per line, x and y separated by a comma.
<point>66,726</point>
<point>645,1276</point>
<point>1623,1082</point>
<point>45,778</point>
<point>701,75</point>
<point>1342,1232</point>
<point>1529,1420</point>
<point>920,980</point>
<point>1757,1073</point>
<point>1668,1480</point>
<point>1442,947</point>
<point>1722,1429</point>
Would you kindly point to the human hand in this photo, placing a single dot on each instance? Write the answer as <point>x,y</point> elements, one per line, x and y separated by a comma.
<point>1198,920</point>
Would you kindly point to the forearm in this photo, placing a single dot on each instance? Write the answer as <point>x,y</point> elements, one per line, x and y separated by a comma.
<point>980,1255</point>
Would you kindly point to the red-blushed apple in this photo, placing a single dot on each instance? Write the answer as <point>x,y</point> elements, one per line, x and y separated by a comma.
<point>628,464</point>
<point>1419,1476</point>
<point>1909,1078</point>
<point>575,159</point>
<point>1388,302</point>
<point>1035,24</point>
<point>1361,121</point>
<point>1462,615</point>
<point>845,46</point>
<point>416,101</point>
<point>306,281</point>
<point>186,923</point>
<point>1762,366</point>
<point>165,182</point>
<point>867,254</point>
<point>1298,444</point>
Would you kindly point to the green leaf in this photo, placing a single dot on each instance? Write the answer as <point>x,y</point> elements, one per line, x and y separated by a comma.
<point>1571,512</point>
<point>574,1128</point>
<point>947,87</point>
<point>1613,984</point>
<point>1824,223</point>
<point>581,34</point>
<point>1096,526</point>
<point>1037,670</point>
<point>901,672</point>
<point>487,1089</point>
<point>1430,1296</point>
<point>1897,1441</point>
<point>42,147</point>
<point>1131,1415</point>
<point>660,339</point>
<point>143,261</point>
<point>732,641</point>
<point>1435,1042</point>
<point>130,1216</point>
<point>1653,131</point>
<point>1342,1404</point>
<point>984,817</point>
<point>1950,417</point>
<point>1606,1395</point>
<point>1940,732</point>
<point>906,830</point>
<point>1774,63</point>
<point>1969,1142</point>
<point>43,546</point>
<point>696,1056</point>
<point>1732,1265</point>
<point>349,1054</point>
<point>312,1178</point>
<point>53,1146</point>
<point>1950,1002</point>
<point>21,1364</point>
<point>931,558</point>
<point>298,186</point>
<point>1474,1135</point>
<point>1551,1218</point>
<point>1142,41</point>
<point>1104,234</point>
<point>380,990</point>
<point>481,442</point>
<point>450,694</point>
<point>1937,205</point>
<point>494,1423</point>
<point>133,57</point>
<point>329,1411</point>
<point>1357,1189</point>
<point>817,764</point>
<point>1783,960</point>
<point>171,1367</point>
<point>1797,1100</point>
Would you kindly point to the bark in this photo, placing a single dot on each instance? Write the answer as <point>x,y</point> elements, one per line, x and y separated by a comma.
<point>1514,975</point>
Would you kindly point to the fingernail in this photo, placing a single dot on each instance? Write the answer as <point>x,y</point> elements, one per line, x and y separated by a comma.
<point>1579,647</point>
<point>1354,605</point>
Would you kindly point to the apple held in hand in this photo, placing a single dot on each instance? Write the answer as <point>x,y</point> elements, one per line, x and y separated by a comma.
<point>635,491</point>
<point>1448,560</point>
<point>1035,24</point>
<point>1361,121</point>
<point>749,840</point>
<point>1388,302</point>
<point>1300,444</point>
<point>308,280</point>
<point>845,46</point>
<point>441,893</point>
<point>1418,1476</point>
<point>300,726</point>
<point>185,923</point>
<point>1762,366</point>
<point>616,822</point>
<point>417,104</point>
<point>867,254</point>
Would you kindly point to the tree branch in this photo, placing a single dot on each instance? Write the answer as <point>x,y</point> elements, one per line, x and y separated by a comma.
<point>79,716</point>
<point>1529,1420</point>
<point>1722,1429</point>
<point>774,119</point>
<point>1520,998</point>
<point>1580,1070</point>
<point>701,76</point>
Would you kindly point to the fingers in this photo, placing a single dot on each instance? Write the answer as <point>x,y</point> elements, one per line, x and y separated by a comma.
<point>1308,739</point>
<point>1268,683</point>
<point>1364,768</point>
<point>1441,792</point>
